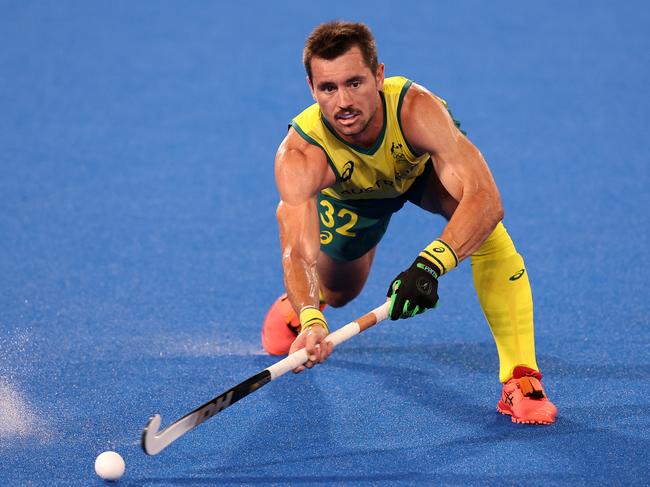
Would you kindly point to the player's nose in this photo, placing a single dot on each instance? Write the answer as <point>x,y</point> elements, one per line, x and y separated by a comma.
<point>345,100</point>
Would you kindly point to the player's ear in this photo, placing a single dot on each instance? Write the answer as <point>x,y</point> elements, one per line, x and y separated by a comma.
<point>379,76</point>
<point>311,87</point>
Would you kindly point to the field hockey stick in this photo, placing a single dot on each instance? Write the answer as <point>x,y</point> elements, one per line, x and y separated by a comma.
<point>154,441</point>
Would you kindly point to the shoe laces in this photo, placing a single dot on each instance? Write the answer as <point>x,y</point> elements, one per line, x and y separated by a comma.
<point>529,382</point>
<point>531,387</point>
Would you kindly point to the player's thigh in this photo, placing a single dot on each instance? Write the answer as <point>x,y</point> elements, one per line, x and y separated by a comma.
<point>341,281</point>
<point>349,233</point>
<point>350,230</point>
<point>430,194</point>
<point>337,275</point>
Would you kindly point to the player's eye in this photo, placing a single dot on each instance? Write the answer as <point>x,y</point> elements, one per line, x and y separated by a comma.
<point>355,84</point>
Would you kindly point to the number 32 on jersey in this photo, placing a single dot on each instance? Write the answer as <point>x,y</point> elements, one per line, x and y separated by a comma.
<point>342,222</point>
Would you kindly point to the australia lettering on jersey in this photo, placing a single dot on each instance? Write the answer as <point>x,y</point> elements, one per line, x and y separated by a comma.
<point>397,151</point>
<point>379,184</point>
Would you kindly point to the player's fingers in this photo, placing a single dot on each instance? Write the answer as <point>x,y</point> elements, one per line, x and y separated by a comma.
<point>312,355</point>
<point>298,369</point>
<point>312,347</point>
<point>328,347</point>
<point>322,355</point>
<point>398,307</point>
<point>297,344</point>
<point>392,309</point>
<point>315,357</point>
<point>405,310</point>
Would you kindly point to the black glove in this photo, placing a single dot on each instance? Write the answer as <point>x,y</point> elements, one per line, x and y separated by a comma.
<point>415,290</point>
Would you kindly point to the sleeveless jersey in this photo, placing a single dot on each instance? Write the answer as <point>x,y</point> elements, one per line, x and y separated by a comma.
<point>385,170</point>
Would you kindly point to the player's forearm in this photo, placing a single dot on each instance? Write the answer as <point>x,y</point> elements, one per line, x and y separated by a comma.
<point>300,279</point>
<point>299,240</point>
<point>475,218</point>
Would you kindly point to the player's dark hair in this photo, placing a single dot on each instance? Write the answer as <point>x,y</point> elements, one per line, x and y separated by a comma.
<point>332,39</point>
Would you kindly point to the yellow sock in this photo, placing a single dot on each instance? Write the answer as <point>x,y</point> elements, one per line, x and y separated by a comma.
<point>503,289</point>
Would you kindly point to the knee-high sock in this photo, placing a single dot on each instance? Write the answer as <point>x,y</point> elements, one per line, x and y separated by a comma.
<point>503,289</point>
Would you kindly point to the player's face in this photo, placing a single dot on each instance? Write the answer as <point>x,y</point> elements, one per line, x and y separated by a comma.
<point>347,92</point>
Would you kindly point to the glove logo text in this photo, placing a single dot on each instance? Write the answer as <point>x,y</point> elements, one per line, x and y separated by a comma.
<point>428,269</point>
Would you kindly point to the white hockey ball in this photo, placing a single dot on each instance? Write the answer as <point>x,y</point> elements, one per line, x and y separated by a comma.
<point>110,465</point>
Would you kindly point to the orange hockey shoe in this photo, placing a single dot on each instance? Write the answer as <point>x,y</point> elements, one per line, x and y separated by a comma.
<point>524,399</point>
<point>281,326</point>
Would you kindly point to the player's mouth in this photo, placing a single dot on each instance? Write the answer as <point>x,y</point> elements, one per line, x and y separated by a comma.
<point>347,118</point>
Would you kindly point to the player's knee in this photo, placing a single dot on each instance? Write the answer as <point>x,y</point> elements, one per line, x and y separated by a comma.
<point>337,299</point>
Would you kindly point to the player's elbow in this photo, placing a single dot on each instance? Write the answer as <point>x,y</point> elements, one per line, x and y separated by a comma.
<point>283,213</point>
<point>279,211</point>
<point>495,212</point>
<point>498,212</point>
<point>296,249</point>
<point>491,207</point>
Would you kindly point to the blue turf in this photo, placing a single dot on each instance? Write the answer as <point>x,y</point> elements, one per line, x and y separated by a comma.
<point>139,251</point>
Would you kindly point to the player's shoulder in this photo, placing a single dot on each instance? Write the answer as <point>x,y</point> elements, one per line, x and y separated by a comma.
<point>301,168</point>
<point>303,140</point>
<point>296,146</point>
<point>425,120</point>
<point>412,100</point>
<point>423,112</point>
<point>418,99</point>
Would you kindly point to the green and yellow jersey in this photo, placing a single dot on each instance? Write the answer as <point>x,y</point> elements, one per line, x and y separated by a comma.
<point>371,183</point>
<point>385,170</point>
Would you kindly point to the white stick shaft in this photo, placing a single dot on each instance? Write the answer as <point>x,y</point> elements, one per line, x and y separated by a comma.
<point>154,441</point>
<point>381,312</point>
<point>344,333</point>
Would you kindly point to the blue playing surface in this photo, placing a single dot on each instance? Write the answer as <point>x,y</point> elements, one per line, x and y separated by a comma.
<point>139,248</point>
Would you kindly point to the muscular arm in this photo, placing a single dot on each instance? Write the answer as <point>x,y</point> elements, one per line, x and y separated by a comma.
<point>301,171</point>
<point>460,167</point>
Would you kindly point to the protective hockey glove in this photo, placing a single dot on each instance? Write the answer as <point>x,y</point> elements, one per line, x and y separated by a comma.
<point>416,289</point>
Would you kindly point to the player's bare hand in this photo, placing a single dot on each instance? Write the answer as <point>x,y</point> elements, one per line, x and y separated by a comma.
<point>314,343</point>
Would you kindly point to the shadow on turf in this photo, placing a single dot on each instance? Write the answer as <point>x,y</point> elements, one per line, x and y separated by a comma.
<point>595,443</point>
<point>482,358</point>
<point>285,479</point>
<point>460,479</point>
<point>600,439</point>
